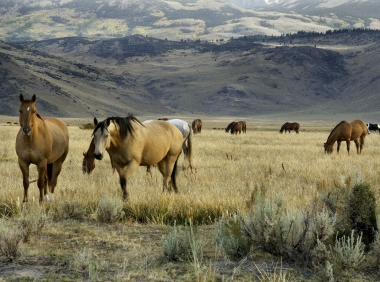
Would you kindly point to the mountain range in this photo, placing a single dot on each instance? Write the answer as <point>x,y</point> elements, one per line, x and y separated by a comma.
<point>101,58</point>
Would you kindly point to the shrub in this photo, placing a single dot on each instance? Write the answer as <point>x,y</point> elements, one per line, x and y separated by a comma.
<point>72,209</point>
<point>110,210</point>
<point>181,245</point>
<point>176,245</point>
<point>10,239</point>
<point>348,251</point>
<point>287,232</point>
<point>231,239</point>
<point>362,210</point>
<point>32,220</point>
<point>376,249</point>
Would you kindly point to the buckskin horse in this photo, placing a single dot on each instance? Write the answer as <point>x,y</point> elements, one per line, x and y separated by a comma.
<point>88,164</point>
<point>288,126</point>
<point>347,131</point>
<point>42,142</point>
<point>131,144</point>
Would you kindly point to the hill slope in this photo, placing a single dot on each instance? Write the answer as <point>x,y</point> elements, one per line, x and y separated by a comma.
<point>177,19</point>
<point>304,74</point>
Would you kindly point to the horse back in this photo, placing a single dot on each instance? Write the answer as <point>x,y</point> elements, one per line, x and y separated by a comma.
<point>154,142</point>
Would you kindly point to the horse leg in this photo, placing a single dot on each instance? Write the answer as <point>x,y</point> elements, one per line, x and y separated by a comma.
<point>362,138</point>
<point>25,178</point>
<point>53,171</point>
<point>124,174</point>
<point>166,168</point>
<point>162,167</point>
<point>148,170</point>
<point>348,145</point>
<point>358,146</point>
<point>41,182</point>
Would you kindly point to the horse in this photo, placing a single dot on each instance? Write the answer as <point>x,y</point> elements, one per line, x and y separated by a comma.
<point>88,163</point>
<point>237,127</point>
<point>230,127</point>
<point>347,131</point>
<point>373,127</point>
<point>244,126</point>
<point>131,144</point>
<point>287,126</point>
<point>197,126</point>
<point>42,142</point>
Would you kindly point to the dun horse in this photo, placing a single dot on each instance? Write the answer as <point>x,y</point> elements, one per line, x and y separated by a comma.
<point>88,163</point>
<point>287,126</point>
<point>131,144</point>
<point>347,131</point>
<point>42,142</point>
<point>197,126</point>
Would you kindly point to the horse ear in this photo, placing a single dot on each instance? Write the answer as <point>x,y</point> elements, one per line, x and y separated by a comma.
<point>95,121</point>
<point>21,97</point>
<point>34,98</point>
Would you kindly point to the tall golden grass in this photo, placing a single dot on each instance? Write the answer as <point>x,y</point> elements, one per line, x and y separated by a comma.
<point>228,169</point>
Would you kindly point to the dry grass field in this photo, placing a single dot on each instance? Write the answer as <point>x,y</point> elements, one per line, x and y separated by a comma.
<point>74,244</point>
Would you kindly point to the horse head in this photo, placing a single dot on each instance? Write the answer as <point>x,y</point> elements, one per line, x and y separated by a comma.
<point>28,112</point>
<point>328,148</point>
<point>101,138</point>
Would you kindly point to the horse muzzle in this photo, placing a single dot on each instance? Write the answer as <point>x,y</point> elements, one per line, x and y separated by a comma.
<point>26,130</point>
<point>98,156</point>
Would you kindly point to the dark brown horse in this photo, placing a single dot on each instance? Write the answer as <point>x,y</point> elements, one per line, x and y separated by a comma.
<point>197,126</point>
<point>347,131</point>
<point>42,142</point>
<point>230,127</point>
<point>236,127</point>
<point>88,163</point>
<point>131,144</point>
<point>287,126</point>
<point>244,127</point>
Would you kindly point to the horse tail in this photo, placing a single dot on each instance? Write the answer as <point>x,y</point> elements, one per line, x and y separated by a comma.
<point>173,176</point>
<point>189,147</point>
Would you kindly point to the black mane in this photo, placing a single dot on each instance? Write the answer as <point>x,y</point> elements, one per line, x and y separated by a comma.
<point>124,123</point>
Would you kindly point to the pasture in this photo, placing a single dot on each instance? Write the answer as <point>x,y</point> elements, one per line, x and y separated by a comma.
<point>75,245</point>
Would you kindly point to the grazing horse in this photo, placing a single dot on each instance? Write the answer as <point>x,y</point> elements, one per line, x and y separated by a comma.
<point>131,144</point>
<point>244,126</point>
<point>287,126</point>
<point>197,126</point>
<point>237,127</point>
<point>230,127</point>
<point>373,127</point>
<point>347,131</point>
<point>42,142</point>
<point>88,163</point>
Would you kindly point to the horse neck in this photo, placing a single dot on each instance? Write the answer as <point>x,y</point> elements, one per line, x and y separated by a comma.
<point>39,128</point>
<point>332,137</point>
